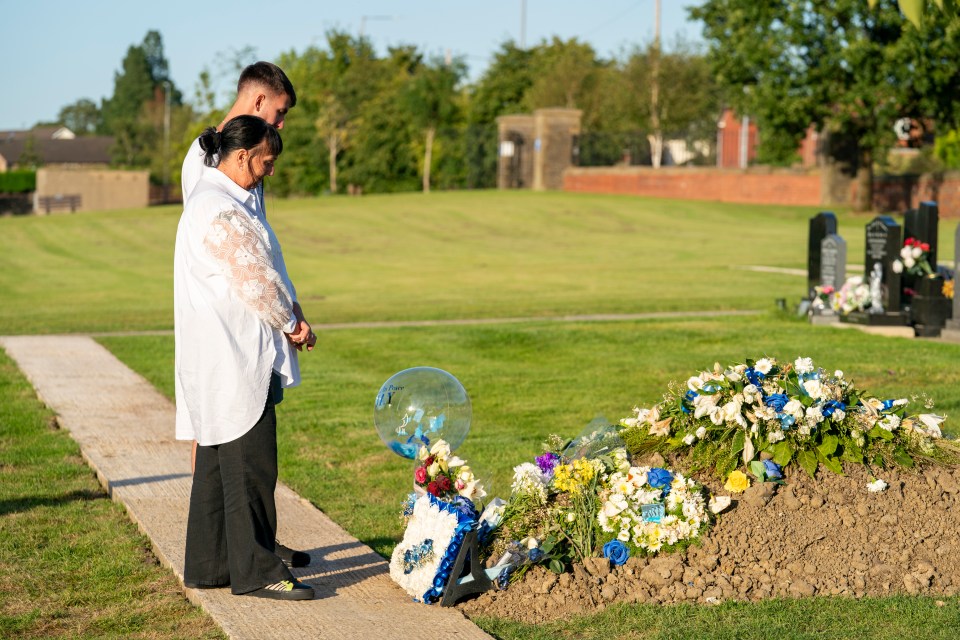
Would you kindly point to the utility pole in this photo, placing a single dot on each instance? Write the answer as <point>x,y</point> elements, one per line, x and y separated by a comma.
<point>523,24</point>
<point>166,140</point>
<point>656,139</point>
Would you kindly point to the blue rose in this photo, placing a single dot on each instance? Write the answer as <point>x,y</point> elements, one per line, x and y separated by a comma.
<point>772,470</point>
<point>777,401</point>
<point>616,552</point>
<point>660,479</point>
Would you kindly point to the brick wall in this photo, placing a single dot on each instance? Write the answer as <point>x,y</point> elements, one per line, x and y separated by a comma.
<point>753,186</point>
<point>899,193</point>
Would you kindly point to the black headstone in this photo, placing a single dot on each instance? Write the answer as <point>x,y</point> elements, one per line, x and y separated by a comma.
<point>821,225</point>
<point>883,247</point>
<point>922,224</point>
<point>833,262</point>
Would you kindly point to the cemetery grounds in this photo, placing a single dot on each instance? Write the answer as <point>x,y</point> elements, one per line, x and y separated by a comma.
<point>484,256</point>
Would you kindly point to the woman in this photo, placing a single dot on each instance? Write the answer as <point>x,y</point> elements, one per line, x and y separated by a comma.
<point>236,339</point>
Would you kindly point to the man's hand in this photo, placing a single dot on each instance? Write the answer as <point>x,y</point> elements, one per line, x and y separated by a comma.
<point>303,335</point>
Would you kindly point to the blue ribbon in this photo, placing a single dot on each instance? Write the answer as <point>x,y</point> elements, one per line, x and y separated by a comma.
<point>466,522</point>
<point>755,378</point>
<point>832,406</point>
<point>688,397</point>
<point>888,404</point>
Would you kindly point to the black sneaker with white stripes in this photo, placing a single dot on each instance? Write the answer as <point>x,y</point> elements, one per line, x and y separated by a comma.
<point>284,590</point>
<point>290,557</point>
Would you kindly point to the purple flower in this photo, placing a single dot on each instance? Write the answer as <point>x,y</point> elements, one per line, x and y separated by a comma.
<point>547,462</point>
<point>616,552</point>
<point>773,470</point>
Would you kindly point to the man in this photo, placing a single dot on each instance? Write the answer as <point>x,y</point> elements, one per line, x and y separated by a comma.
<point>263,91</point>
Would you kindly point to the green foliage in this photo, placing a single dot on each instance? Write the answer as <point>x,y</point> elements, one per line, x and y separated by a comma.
<point>841,66</point>
<point>947,149</point>
<point>60,524</point>
<point>18,181</point>
<point>83,117</point>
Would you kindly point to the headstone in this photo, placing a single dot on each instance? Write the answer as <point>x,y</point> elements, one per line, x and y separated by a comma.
<point>833,262</point>
<point>882,248</point>
<point>930,309</point>
<point>821,225</point>
<point>923,224</point>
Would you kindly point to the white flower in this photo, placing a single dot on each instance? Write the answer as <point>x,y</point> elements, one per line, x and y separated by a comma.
<point>814,416</point>
<point>731,413</point>
<point>440,449</point>
<point>528,479</point>
<point>701,432</point>
<point>803,365</point>
<point>703,405</point>
<point>889,423</point>
<point>716,415</point>
<point>794,408</point>
<point>838,415</point>
<point>775,436</point>
<point>916,252</point>
<point>751,394</point>
<point>764,365</point>
<point>813,388</point>
<point>719,503</point>
<point>897,266</point>
<point>695,384</point>
<point>932,423</point>
<point>909,262</point>
<point>876,486</point>
<point>689,438</point>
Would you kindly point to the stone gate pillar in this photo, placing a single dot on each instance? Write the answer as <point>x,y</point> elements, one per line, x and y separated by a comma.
<point>554,131</point>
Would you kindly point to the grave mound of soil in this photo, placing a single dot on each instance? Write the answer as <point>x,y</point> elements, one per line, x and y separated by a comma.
<point>807,537</point>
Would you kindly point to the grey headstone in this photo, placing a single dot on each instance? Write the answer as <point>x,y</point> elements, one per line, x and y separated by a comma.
<point>883,246</point>
<point>833,261</point>
<point>821,225</point>
<point>922,224</point>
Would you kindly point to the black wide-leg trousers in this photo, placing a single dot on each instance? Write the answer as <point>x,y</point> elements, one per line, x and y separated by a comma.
<point>231,529</point>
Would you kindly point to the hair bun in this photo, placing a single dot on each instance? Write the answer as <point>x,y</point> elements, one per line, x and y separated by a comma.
<point>210,140</point>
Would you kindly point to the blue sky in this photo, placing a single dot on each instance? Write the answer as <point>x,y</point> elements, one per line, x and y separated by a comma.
<point>55,52</point>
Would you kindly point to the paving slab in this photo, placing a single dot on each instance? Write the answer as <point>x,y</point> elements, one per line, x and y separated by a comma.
<point>125,429</point>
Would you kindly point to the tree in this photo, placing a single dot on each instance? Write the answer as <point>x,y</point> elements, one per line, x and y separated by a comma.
<point>846,69</point>
<point>143,80</point>
<point>82,117</point>
<point>430,97</point>
<point>914,9</point>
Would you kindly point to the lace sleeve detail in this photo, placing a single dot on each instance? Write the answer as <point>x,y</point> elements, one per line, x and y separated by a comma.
<point>235,243</point>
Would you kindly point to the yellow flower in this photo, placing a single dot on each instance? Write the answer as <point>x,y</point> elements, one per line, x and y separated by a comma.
<point>737,482</point>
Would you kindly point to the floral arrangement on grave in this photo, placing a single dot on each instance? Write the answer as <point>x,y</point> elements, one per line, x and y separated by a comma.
<point>854,295</point>
<point>586,499</point>
<point>746,415</point>
<point>914,258</point>
<point>822,297</point>
<point>438,515</point>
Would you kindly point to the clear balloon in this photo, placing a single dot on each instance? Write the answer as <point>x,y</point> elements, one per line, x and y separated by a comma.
<point>418,406</point>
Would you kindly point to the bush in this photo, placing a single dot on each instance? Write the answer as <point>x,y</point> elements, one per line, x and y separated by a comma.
<point>947,149</point>
<point>18,181</point>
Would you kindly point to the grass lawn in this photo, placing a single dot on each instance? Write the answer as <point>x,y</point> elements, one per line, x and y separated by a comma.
<point>72,565</point>
<point>491,255</point>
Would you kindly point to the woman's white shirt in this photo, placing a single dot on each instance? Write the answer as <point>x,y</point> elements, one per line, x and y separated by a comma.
<point>232,306</point>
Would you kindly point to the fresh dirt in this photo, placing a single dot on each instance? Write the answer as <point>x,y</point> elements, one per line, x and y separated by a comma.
<point>804,538</point>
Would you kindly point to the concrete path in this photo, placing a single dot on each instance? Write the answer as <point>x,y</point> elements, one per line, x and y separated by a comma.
<point>125,431</point>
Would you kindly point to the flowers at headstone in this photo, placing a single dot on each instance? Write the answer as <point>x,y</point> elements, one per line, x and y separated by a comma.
<point>822,297</point>
<point>914,258</point>
<point>763,415</point>
<point>854,295</point>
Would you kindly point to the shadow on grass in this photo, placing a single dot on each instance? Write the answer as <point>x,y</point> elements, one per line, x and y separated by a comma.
<point>17,505</point>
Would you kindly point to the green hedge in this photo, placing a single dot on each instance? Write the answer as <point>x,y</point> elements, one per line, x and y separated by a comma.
<point>18,181</point>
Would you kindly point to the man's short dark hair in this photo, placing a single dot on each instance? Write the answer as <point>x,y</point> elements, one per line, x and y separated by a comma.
<point>270,76</point>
